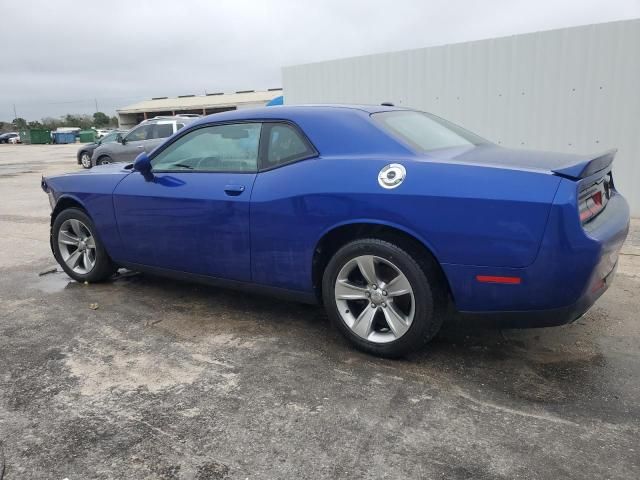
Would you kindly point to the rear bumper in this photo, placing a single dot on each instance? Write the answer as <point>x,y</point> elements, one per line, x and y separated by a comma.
<point>541,318</point>
<point>574,267</point>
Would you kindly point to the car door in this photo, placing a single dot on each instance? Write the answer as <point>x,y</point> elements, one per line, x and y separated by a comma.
<point>132,144</point>
<point>281,217</point>
<point>192,214</point>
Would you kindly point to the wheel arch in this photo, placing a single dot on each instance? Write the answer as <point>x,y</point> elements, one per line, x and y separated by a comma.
<point>65,202</point>
<point>339,235</point>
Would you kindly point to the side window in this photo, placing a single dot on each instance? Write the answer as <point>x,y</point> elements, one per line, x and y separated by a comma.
<point>179,126</point>
<point>162,130</point>
<point>143,132</point>
<point>219,148</point>
<point>285,145</point>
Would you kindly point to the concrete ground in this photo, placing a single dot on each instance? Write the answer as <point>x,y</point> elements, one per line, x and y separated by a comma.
<point>147,378</point>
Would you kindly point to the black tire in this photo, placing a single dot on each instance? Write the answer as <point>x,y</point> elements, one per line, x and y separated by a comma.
<point>429,296</point>
<point>85,159</point>
<point>104,160</point>
<point>103,269</point>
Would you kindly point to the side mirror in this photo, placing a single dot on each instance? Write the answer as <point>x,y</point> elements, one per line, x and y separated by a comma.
<point>120,138</point>
<point>142,164</point>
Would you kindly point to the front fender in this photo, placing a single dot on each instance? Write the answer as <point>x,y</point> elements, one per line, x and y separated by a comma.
<point>92,190</point>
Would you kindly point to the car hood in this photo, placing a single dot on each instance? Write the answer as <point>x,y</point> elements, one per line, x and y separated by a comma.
<point>117,169</point>
<point>97,180</point>
<point>563,164</point>
<point>109,168</point>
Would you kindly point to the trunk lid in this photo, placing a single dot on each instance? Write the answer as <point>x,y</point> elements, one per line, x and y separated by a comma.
<point>563,164</point>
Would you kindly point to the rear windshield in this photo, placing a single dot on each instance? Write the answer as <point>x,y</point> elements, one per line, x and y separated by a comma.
<point>425,132</point>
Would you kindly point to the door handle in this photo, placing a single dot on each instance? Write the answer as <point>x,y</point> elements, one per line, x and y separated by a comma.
<point>233,190</point>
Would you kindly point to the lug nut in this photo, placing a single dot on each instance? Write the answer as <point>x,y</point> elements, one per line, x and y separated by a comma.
<point>384,305</point>
<point>368,294</point>
<point>384,292</point>
<point>374,286</point>
<point>373,305</point>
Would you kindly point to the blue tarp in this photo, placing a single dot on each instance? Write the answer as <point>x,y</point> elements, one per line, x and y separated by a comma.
<point>276,101</point>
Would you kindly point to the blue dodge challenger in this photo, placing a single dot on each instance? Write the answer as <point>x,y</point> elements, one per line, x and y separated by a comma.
<point>392,218</point>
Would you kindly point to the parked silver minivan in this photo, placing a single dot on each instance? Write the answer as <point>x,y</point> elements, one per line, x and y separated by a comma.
<point>142,138</point>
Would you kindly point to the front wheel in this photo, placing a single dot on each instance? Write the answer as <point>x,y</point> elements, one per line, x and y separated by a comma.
<point>78,249</point>
<point>85,160</point>
<point>381,299</point>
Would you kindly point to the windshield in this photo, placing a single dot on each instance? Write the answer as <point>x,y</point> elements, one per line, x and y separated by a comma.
<point>110,137</point>
<point>425,132</point>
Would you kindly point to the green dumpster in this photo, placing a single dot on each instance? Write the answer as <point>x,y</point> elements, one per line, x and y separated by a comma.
<point>87,136</point>
<point>38,136</point>
<point>25,138</point>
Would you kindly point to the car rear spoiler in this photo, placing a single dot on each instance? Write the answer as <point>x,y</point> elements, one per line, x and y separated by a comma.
<point>587,167</point>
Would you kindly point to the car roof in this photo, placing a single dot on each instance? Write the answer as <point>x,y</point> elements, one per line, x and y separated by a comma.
<point>171,117</point>
<point>293,111</point>
<point>334,129</point>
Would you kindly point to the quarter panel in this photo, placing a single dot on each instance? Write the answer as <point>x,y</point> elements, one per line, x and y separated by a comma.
<point>475,215</point>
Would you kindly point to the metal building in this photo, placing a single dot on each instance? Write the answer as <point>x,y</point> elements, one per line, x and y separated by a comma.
<point>131,115</point>
<point>572,90</point>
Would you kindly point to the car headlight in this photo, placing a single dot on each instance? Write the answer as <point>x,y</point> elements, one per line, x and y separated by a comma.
<point>48,191</point>
<point>52,199</point>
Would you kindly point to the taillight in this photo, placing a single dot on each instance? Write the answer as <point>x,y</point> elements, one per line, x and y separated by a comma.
<point>594,198</point>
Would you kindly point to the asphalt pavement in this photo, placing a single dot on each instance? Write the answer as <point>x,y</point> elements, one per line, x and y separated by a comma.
<point>148,378</point>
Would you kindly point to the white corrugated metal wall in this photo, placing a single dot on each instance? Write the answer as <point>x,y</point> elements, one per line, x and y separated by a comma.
<point>571,90</point>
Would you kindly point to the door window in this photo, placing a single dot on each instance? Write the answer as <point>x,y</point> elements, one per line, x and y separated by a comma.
<point>162,130</point>
<point>219,148</point>
<point>285,145</point>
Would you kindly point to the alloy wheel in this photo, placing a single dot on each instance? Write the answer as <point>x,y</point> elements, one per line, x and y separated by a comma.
<point>85,159</point>
<point>374,299</point>
<point>77,246</point>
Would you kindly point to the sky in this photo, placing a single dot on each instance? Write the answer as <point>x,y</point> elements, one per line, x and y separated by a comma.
<point>64,56</point>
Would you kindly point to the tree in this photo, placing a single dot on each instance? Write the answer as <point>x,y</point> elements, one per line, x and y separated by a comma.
<point>19,123</point>
<point>50,123</point>
<point>81,121</point>
<point>100,119</point>
<point>34,124</point>
<point>114,122</point>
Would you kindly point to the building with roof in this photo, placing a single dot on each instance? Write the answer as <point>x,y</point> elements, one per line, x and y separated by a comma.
<point>131,115</point>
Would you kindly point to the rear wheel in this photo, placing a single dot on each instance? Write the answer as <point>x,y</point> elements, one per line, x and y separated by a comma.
<point>85,160</point>
<point>78,249</point>
<point>381,299</point>
<point>104,160</point>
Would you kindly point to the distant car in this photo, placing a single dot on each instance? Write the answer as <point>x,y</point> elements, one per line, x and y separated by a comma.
<point>6,137</point>
<point>101,132</point>
<point>393,218</point>
<point>86,151</point>
<point>142,138</point>
<point>15,140</point>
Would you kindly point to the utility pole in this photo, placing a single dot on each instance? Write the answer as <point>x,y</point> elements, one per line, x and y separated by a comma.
<point>96,102</point>
<point>15,115</point>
